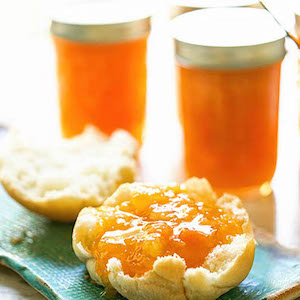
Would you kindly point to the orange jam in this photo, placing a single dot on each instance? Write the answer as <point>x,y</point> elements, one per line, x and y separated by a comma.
<point>230,124</point>
<point>228,92</point>
<point>103,84</point>
<point>160,221</point>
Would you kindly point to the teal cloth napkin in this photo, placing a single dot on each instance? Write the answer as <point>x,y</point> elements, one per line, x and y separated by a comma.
<point>41,252</point>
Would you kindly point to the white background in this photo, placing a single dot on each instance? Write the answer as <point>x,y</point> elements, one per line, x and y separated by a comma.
<point>28,100</point>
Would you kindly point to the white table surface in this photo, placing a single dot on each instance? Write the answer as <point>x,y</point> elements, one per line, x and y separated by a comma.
<point>28,98</point>
<point>13,287</point>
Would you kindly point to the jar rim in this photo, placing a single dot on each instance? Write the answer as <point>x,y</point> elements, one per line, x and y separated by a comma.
<point>227,27</point>
<point>101,22</point>
<point>112,33</point>
<point>228,38</point>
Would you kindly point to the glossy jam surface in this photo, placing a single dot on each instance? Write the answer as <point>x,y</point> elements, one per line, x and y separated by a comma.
<point>157,222</point>
<point>230,123</point>
<point>102,84</point>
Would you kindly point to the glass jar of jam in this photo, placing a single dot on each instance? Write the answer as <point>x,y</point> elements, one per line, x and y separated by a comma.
<point>101,65</point>
<point>228,63</point>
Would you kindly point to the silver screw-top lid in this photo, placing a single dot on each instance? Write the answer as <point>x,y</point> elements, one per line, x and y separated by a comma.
<point>228,38</point>
<point>102,21</point>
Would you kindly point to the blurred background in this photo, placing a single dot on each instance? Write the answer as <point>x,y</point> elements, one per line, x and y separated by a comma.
<point>28,100</point>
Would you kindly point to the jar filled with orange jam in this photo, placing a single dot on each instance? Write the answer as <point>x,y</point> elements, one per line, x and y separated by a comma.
<point>228,65</point>
<point>101,65</point>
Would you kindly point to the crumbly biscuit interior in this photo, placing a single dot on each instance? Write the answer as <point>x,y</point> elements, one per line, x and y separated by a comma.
<point>90,166</point>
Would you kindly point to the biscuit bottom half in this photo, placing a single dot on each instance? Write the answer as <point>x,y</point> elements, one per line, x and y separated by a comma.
<point>142,224</point>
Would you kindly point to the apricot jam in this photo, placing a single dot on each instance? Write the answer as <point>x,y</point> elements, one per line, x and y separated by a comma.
<point>228,94</point>
<point>101,49</point>
<point>103,84</point>
<point>160,221</point>
<point>230,124</point>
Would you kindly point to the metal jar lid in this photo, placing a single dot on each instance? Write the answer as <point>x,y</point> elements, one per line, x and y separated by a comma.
<point>179,7</point>
<point>228,38</point>
<point>104,21</point>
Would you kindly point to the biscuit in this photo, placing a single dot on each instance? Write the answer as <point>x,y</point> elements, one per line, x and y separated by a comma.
<point>224,268</point>
<point>57,179</point>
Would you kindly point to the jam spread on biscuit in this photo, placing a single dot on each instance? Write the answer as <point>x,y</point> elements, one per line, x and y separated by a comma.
<point>161,221</point>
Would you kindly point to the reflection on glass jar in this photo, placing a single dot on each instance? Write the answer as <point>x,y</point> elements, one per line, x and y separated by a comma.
<point>101,67</point>
<point>228,85</point>
<point>297,15</point>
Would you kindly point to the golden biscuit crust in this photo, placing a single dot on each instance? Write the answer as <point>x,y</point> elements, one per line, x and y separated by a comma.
<point>225,267</point>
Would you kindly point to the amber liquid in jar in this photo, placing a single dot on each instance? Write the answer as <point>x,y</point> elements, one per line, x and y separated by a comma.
<point>103,84</point>
<point>230,124</point>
